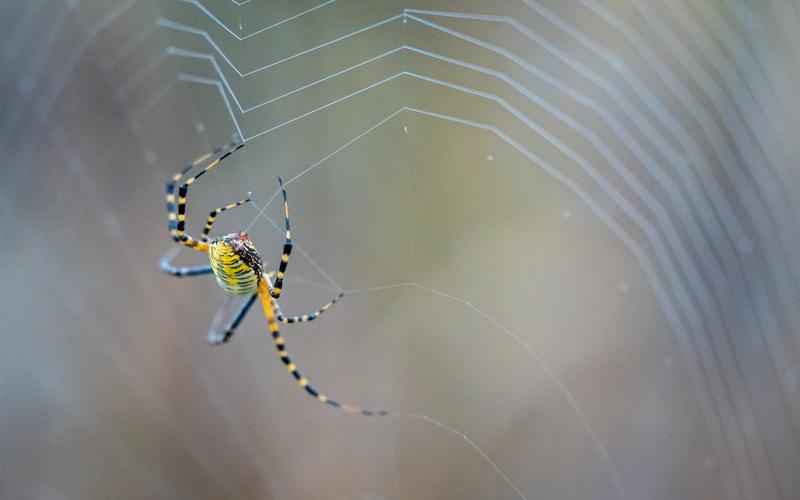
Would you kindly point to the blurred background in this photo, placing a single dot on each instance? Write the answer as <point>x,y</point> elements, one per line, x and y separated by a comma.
<point>567,233</point>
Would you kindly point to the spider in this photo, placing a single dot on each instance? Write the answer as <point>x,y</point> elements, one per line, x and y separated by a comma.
<point>239,269</point>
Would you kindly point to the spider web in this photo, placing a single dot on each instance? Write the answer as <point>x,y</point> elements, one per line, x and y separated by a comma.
<point>538,216</point>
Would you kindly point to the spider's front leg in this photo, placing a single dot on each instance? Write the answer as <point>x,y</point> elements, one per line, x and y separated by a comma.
<point>220,331</point>
<point>172,208</point>
<point>275,289</point>
<point>212,216</point>
<point>177,202</point>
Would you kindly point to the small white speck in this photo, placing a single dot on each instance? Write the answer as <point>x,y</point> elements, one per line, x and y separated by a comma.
<point>668,361</point>
<point>490,157</point>
<point>200,127</point>
<point>405,129</point>
<point>405,20</point>
<point>623,287</point>
<point>566,214</point>
<point>150,157</point>
<point>709,461</point>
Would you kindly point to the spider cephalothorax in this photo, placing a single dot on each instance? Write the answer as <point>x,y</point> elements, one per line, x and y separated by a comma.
<point>239,269</point>
<point>236,263</point>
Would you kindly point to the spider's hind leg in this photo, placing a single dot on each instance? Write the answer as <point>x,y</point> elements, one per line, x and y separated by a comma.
<point>305,318</point>
<point>280,346</point>
<point>222,329</point>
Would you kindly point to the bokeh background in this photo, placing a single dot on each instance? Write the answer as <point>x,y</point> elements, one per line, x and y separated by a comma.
<point>567,232</point>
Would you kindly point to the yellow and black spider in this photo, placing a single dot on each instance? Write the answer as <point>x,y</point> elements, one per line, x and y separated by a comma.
<point>239,269</point>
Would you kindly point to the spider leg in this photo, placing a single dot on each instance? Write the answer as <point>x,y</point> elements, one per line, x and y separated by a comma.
<point>275,290</point>
<point>213,215</point>
<point>305,317</point>
<point>181,272</point>
<point>217,337</point>
<point>265,295</point>
<point>171,186</point>
<point>176,213</point>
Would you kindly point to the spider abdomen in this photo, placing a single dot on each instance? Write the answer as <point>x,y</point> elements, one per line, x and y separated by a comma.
<point>236,264</point>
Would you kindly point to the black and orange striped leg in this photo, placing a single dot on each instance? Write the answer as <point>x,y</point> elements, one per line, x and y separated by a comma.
<point>179,215</point>
<point>172,209</point>
<point>305,317</point>
<point>275,290</point>
<point>216,338</point>
<point>264,293</point>
<point>212,216</point>
<point>181,272</point>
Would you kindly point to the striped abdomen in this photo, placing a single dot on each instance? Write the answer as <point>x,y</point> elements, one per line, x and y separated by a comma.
<point>236,263</point>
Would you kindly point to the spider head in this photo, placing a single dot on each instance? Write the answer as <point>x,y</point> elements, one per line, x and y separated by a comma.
<point>234,239</point>
<point>243,246</point>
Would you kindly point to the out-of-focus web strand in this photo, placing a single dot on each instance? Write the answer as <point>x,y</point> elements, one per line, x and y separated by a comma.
<point>121,53</point>
<point>122,91</point>
<point>48,100</point>
<point>771,196</point>
<point>767,321</point>
<point>709,125</point>
<point>768,327</point>
<point>38,62</point>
